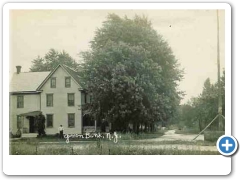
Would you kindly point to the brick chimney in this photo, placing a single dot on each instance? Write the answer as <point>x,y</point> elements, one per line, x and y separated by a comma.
<point>18,69</point>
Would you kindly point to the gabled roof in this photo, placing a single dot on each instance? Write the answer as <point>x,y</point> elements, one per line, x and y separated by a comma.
<point>73,73</point>
<point>68,70</point>
<point>27,81</point>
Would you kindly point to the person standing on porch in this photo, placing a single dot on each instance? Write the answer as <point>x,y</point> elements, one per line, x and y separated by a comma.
<point>60,129</point>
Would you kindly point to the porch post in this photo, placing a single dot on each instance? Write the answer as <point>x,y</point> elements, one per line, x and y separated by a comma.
<point>110,126</point>
<point>81,121</point>
<point>22,117</point>
<point>95,124</point>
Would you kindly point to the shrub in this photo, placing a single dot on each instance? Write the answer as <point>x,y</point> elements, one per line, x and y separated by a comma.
<point>212,136</point>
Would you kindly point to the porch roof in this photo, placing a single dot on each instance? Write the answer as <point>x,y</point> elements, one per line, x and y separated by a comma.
<point>32,113</point>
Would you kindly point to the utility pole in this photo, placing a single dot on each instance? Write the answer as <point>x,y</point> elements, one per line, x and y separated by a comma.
<point>219,115</point>
<point>220,119</point>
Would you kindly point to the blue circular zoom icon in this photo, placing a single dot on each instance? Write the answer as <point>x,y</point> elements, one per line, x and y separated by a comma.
<point>227,145</point>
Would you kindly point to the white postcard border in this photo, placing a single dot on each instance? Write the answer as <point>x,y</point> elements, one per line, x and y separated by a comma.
<point>114,165</point>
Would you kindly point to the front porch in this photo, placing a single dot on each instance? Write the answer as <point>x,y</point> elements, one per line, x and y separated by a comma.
<point>27,123</point>
<point>91,129</point>
<point>92,125</point>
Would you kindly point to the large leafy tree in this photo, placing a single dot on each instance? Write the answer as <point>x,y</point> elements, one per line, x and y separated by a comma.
<point>131,74</point>
<point>51,60</point>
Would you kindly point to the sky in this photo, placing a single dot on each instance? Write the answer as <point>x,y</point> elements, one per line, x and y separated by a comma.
<point>192,35</point>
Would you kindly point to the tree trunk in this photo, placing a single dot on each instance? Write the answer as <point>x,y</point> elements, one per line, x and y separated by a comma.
<point>151,127</point>
<point>145,127</point>
<point>137,128</point>
<point>134,127</point>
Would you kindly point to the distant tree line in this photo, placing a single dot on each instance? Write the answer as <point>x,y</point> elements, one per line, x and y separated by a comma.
<point>201,110</point>
<point>51,59</point>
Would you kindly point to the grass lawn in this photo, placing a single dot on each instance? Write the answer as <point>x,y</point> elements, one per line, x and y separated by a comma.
<point>103,148</point>
<point>125,136</point>
<point>128,144</point>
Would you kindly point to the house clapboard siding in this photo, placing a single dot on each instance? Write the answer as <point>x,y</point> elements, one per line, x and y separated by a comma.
<point>63,106</point>
<point>31,103</point>
<point>60,108</point>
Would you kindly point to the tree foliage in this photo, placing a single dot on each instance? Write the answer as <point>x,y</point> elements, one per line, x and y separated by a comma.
<point>51,60</point>
<point>40,124</point>
<point>131,74</point>
<point>201,110</point>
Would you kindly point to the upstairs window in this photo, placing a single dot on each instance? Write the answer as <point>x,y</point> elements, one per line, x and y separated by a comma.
<point>20,102</point>
<point>71,120</point>
<point>67,82</point>
<point>53,82</point>
<point>71,99</point>
<point>49,100</point>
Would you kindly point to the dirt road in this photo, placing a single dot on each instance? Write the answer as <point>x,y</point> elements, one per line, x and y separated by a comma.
<point>171,135</point>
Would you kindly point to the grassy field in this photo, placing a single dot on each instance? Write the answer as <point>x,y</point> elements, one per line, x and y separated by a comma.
<point>128,144</point>
<point>103,148</point>
<point>125,136</point>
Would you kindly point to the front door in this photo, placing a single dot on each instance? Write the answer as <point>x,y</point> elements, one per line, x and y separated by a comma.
<point>32,128</point>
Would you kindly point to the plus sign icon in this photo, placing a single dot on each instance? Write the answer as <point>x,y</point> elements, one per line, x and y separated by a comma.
<point>227,145</point>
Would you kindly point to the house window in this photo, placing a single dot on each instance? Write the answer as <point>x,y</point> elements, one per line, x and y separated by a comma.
<point>19,122</point>
<point>20,102</point>
<point>67,82</point>
<point>49,100</point>
<point>71,99</point>
<point>53,82</point>
<point>49,120</point>
<point>71,120</point>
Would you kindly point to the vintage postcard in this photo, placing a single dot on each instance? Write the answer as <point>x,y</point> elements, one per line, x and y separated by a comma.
<point>111,83</point>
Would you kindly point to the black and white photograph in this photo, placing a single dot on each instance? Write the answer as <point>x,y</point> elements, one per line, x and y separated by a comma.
<point>116,82</point>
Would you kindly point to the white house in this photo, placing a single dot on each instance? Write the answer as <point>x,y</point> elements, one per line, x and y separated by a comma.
<point>56,94</point>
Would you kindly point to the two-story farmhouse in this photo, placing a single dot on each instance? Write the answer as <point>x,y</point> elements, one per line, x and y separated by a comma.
<point>56,94</point>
